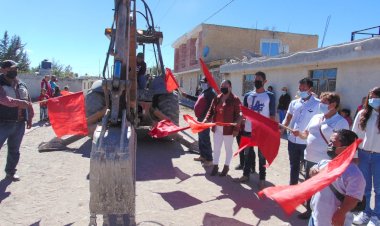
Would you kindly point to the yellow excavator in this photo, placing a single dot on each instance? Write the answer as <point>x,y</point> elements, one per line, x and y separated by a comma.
<point>115,107</point>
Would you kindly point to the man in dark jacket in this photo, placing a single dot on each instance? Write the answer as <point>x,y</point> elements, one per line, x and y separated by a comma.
<point>201,107</point>
<point>15,110</point>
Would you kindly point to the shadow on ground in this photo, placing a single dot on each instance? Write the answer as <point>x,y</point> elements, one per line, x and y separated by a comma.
<point>211,220</point>
<point>3,187</point>
<point>157,152</point>
<point>245,197</point>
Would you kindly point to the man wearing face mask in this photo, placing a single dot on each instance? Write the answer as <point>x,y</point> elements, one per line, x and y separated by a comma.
<point>319,129</point>
<point>15,110</point>
<point>327,209</point>
<point>202,104</point>
<point>262,102</point>
<point>224,108</point>
<point>299,113</point>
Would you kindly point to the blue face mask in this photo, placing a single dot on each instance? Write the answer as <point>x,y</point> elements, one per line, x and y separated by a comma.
<point>374,102</point>
<point>304,94</point>
<point>283,92</point>
<point>323,108</point>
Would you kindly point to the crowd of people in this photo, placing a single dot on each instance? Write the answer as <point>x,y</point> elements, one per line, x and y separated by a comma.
<point>318,131</point>
<point>49,89</point>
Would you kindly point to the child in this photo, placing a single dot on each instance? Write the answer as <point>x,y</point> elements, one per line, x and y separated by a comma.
<point>43,105</point>
<point>345,113</point>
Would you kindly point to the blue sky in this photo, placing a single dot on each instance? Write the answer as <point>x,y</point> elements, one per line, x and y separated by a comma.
<point>72,31</point>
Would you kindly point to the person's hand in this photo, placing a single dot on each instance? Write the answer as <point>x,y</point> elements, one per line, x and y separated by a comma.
<point>296,133</point>
<point>313,171</point>
<point>338,218</point>
<point>23,104</point>
<point>29,124</point>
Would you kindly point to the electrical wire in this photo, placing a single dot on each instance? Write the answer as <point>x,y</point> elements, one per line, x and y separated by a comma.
<point>218,11</point>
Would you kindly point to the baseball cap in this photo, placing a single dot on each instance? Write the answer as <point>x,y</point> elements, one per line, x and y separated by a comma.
<point>9,64</point>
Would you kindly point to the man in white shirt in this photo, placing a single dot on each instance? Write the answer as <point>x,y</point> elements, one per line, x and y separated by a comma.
<point>327,209</point>
<point>299,113</point>
<point>319,129</point>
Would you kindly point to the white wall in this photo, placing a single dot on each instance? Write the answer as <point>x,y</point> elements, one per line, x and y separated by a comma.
<point>354,79</point>
<point>34,84</point>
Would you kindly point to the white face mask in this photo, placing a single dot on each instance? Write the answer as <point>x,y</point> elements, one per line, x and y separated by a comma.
<point>204,86</point>
<point>304,94</point>
<point>283,92</point>
<point>323,108</point>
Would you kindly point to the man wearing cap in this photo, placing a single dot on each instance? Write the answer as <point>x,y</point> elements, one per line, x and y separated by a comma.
<point>15,110</point>
<point>141,69</point>
<point>202,104</point>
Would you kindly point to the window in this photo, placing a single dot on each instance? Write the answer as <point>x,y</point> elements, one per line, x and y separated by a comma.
<point>270,47</point>
<point>324,80</point>
<point>248,83</point>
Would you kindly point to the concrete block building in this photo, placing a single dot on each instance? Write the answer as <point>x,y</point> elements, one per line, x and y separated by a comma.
<point>217,44</point>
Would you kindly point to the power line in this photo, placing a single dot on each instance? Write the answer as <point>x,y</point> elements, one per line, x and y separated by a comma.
<point>218,11</point>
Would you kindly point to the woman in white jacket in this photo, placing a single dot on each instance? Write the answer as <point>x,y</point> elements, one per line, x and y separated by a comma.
<point>367,127</point>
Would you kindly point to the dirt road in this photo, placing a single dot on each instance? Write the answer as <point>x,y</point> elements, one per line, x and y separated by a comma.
<point>172,189</point>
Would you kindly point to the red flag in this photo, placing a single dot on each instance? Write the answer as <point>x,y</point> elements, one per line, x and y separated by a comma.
<point>244,143</point>
<point>165,128</point>
<point>65,93</point>
<point>209,77</point>
<point>67,115</point>
<point>171,82</point>
<point>265,132</point>
<point>291,196</point>
<point>197,127</point>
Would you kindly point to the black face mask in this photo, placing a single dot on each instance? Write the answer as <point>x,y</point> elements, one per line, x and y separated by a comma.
<point>224,90</point>
<point>331,152</point>
<point>258,84</point>
<point>11,74</point>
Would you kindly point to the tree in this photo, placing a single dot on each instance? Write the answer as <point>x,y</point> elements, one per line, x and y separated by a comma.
<point>13,49</point>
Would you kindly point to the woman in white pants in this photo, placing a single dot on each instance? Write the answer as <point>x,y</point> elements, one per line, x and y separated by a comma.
<point>224,108</point>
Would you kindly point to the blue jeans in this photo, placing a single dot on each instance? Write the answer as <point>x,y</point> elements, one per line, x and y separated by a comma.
<point>14,132</point>
<point>281,115</point>
<point>295,156</point>
<point>43,113</point>
<point>141,82</point>
<point>369,164</point>
<point>205,144</point>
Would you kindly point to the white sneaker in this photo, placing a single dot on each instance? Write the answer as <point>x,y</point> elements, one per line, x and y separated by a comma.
<point>361,218</point>
<point>374,221</point>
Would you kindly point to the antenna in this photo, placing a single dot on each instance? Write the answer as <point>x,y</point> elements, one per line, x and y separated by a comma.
<point>326,27</point>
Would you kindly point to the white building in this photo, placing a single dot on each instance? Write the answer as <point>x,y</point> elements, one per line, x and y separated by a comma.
<point>351,69</point>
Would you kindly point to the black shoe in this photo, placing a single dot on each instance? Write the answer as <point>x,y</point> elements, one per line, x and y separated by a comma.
<point>214,170</point>
<point>12,177</point>
<point>304,216</point>
<point>239,167</point>
<point>224,171</point>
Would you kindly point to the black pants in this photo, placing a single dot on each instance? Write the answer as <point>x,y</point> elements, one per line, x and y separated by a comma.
<point>250,157</point>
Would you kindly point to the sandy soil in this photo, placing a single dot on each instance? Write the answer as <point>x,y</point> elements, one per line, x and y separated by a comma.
<point>172,189</point>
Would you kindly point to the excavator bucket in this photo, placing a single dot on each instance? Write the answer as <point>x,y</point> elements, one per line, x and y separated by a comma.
<point>112,172</point>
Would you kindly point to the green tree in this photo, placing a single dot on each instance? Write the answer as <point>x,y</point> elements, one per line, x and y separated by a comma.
<point>14,49</point>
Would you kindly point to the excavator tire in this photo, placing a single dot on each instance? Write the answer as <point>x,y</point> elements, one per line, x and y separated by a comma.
<point>94,102</point>
<point>168,104</point>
